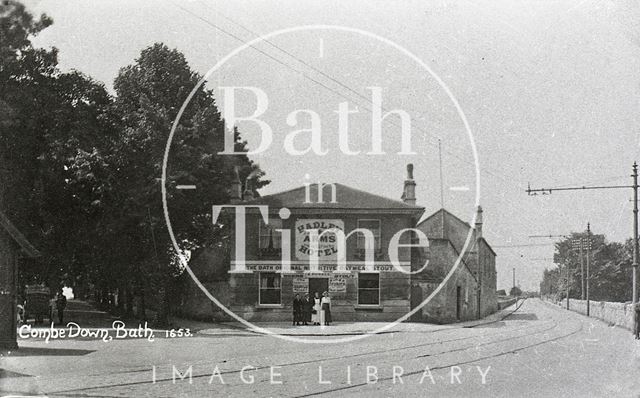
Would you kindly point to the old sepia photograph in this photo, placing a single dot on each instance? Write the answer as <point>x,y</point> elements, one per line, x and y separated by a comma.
<point>356,198</point>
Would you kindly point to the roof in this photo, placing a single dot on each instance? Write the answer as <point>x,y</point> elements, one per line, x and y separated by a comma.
<point>448,214</point>
<point>17,236</point>
<point>445,214</point>
<point>347,198</point>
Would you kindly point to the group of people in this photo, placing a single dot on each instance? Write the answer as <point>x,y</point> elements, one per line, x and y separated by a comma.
<point>39,307</point>
<point>56,306</point>
<point>316,311</point>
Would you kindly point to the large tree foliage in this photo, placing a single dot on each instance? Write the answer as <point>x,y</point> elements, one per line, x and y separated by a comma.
<point>610,270</point>
<point>81,168</point>
<point>24,70</point>
<point>149,94</point>
<point>55,129</point>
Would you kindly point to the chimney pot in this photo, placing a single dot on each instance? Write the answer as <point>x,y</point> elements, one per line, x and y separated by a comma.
<point>236,187</point>
<point>248,190</point>
<point>409,191</point>
<point>479,222</point>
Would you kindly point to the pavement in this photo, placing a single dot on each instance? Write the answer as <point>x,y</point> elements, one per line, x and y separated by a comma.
<point>539,350</point>
<point>335,329</point>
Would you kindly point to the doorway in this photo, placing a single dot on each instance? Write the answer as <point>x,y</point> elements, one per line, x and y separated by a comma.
<point>318,285</point>
<point>458,302</point>
<point>416,300</point>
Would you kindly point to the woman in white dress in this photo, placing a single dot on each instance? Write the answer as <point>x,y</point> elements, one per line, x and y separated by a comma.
<point>315,314</point>
<point>325,305</point>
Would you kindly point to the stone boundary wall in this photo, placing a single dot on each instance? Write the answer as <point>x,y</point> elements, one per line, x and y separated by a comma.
<point>618,314</point>
<point>505,302</point>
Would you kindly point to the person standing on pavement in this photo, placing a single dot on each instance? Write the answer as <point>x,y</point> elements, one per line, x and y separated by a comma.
<point>61,304</point>
<point>297,310</point>
<point>326,309</point>
<point>20,313</point>
<point>52,308</point>
<point>307,307</point>
<point>315,311</point>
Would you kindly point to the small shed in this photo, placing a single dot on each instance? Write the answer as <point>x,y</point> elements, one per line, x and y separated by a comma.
<point>13,247</point>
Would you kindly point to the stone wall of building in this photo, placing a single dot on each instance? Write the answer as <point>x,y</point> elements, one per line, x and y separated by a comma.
<point>442,308</point>
<point>457,300</point>
<point>239,293</point>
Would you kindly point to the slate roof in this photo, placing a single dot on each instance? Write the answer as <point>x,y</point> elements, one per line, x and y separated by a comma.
<point>347,198</point>
<point>449,218</point>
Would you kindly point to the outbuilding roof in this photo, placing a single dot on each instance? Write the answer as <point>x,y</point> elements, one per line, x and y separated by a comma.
<point>443,220</point>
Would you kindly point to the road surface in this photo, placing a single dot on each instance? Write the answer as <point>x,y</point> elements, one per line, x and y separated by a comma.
<point>540,350</point>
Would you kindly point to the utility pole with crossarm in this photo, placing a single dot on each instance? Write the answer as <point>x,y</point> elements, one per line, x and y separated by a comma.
<point>634,175</point>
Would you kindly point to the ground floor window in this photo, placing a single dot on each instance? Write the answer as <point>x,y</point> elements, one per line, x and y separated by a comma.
<point>270,288</point>
<point>368,289</point>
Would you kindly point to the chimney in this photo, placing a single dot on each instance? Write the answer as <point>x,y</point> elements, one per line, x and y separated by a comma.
<point>236,187</point>
<point>248,190</point>
<point>409,191</point>
<point>479,223</point>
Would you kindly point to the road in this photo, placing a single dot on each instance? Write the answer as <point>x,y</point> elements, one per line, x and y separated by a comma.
<point>540,350</point>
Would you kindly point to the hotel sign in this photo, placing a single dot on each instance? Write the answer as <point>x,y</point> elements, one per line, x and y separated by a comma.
<point>327,244</point>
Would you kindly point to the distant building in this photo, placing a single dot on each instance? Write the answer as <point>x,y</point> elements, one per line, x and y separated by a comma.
<point>13,247</point>
<point>259,289</point>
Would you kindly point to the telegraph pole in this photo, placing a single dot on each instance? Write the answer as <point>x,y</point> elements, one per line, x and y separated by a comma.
<point>634,299</point>
<point>567,266</point>
<point>582,295</point>
<point>588,261</point>
<point>549,191</point>
<point>578,244</point>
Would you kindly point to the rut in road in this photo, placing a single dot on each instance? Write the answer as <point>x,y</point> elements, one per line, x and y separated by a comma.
<point>381,379</point>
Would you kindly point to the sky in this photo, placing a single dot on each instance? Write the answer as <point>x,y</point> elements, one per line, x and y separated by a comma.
<point>550,90</point>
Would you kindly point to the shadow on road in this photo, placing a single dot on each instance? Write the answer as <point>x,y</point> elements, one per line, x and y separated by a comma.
<point>7,373</point>
<point>521,317</point>
<point>492,325</point>
<point>36,351</point>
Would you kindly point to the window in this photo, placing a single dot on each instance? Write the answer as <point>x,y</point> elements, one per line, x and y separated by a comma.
<point>368,289</point>
<point>269,288</point>
<point>269,237</point>
<point>374,227</point>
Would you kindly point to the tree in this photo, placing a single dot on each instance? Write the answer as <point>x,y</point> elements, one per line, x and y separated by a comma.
<point>550,283</point>
<point>149,94</point>
<point>55,130</point>
<point>81,168</point>
<point>23,70</point>
<point>610,270</point>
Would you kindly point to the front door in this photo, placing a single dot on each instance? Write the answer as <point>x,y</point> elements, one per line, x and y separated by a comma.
<point>458,302</point>
<point>416,300</point>
<point>319,285</point>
